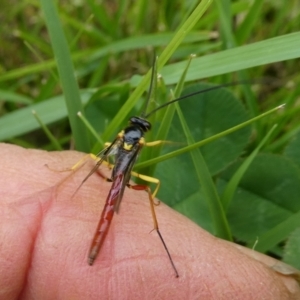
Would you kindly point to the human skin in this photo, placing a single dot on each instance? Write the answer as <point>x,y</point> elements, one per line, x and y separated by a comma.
<point>46,231</point>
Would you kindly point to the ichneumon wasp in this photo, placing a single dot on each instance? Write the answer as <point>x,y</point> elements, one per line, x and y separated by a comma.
<point>126,148</point>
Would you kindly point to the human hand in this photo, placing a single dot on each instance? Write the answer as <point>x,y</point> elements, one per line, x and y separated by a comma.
<point>45,234</point>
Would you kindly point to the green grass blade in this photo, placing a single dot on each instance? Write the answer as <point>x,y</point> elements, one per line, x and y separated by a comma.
<point>225,23</point>
<point>245,28</point>
<point>203,142</point>
<point>167,117</point>
<point>126,44</point>
<point>261,53</point>
<point>91,129</point>
<point>277,234</point>
<point>8,96</point>
<point>50,111</point>
<point>166,54</point>
<point>217,212</point>
<point>66,72</point>
<point>48,133</point>
<point>234,181</point>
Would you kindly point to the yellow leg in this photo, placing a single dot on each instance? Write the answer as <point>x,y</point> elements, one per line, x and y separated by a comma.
<point>83,160</point>
<point>151,180</point>
<point>152,204</point>
<point>78,164</point>
<point>156,143</point>
<point>94,169</point>
<point>146,188</point>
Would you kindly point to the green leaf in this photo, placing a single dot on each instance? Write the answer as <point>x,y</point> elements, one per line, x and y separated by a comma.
<point>292,249</point>
<point>206,115</point>
<point>268,194</point>
<point>235,179</point>
<point>221,228</point>
<point>278,233</point>
<point>292,151</point>
<point>196,208</point>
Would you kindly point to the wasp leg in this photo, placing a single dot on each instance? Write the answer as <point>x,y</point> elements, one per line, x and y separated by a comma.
<point>97,158</point>
<point>156,143</point>
<point>151,180</point>
<point>99,161</point>
<point>160,142</point>
<point>108,179</point>
<point>96,169</point>
<point>81,162</point>
<point>151,196</point>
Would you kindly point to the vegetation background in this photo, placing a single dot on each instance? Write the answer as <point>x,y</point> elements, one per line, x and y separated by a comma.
<point>89,55</point>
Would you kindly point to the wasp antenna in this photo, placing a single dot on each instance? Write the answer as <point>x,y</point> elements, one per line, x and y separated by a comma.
<point>153,74</point>
<point>204,91</point>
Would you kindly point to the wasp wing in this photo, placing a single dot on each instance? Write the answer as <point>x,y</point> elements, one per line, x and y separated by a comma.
<point>103,155</point>
<point>125,167</point>
<point>121,176</point>
<point>106,216</point>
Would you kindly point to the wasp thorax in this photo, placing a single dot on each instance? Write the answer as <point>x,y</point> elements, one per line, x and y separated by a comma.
<point>142,123</point>
<point>132,134</point>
